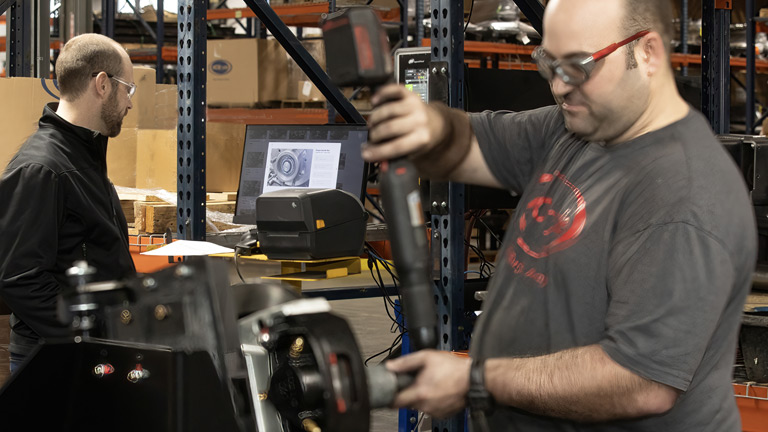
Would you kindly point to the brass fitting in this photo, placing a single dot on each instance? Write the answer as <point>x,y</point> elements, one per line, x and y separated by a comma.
<point>310,425</point>
<point>297,347</point>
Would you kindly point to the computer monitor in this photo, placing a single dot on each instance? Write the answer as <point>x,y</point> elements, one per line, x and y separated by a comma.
<point>412,70</point>
<point>299,156</point>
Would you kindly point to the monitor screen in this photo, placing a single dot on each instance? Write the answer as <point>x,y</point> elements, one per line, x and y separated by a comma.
<point>412,70</point>
<point>299,156</point>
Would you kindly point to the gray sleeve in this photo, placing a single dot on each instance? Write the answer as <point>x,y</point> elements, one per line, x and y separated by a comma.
<point>514,143</point>
<point>669,286</point>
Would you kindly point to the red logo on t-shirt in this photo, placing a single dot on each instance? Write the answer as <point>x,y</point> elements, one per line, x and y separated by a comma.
<point>550,225</point>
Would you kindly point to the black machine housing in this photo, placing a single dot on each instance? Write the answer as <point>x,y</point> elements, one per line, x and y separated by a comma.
<point>162,355</point>
<point>307,224</point>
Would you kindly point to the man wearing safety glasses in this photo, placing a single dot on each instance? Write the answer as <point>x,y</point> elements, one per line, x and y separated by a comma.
<point>618,290</point>
<point>58,204</point>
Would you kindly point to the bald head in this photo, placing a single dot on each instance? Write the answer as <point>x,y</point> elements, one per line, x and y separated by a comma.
<point>84,55</point>
<point>592,24</point>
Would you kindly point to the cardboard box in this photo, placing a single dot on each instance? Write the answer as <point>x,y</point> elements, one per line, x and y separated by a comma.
<point>245,72</point>
<point>301,88</point>
<point>156,157</point>
<point>23,101</point>
<point>154,107</point>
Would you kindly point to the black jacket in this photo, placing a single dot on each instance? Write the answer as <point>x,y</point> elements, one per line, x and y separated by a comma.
<point>58,206</point>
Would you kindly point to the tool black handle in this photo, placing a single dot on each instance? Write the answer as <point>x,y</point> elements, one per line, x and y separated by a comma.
<point>383,385</point>
<point>405,380</point>
<point>405,221</point>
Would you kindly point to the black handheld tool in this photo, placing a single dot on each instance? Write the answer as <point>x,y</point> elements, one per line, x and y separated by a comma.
<point>357,54</point>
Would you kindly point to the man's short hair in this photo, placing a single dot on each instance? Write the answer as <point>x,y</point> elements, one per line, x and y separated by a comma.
<point>654,15</point>
<point>81,57</point>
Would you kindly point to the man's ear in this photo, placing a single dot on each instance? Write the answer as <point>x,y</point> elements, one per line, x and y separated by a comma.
<point>102,85</point>
<point>651,53</point>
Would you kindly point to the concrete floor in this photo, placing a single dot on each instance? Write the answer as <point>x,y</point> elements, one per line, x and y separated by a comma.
<point>368,320</point>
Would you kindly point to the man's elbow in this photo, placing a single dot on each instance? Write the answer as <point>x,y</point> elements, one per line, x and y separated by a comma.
<point>657,400</point>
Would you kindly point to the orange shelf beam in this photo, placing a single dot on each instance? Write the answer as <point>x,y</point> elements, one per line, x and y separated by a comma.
<point>268,116</point>
<point>491,48</point>
<point>3,43</point>
<point>753,407</point>
<point>300,15</point>
<point>149,55</point>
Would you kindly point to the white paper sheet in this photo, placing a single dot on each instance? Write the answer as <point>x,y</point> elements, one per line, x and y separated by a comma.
<point>189,248</point>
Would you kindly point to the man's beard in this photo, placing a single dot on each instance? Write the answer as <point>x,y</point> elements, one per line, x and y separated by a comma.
<point>112,117</point>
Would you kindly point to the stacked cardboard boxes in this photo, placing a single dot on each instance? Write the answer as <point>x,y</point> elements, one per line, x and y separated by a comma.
<point>246,72</point>
<point>144,154</point>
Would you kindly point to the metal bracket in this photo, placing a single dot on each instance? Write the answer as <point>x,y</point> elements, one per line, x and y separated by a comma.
<point>438,198</point>
<point>439,82</point>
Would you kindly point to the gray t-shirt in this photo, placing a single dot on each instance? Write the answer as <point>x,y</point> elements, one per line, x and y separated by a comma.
<point>646,248</point>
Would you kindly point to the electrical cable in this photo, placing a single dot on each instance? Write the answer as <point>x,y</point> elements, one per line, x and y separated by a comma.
<point>398,340</point>
<point>490,230</point>
<point>471,8</point>
<point>376,262</point>
<point>237,263</point>
<point>418,423</point>
<point>376,206</point>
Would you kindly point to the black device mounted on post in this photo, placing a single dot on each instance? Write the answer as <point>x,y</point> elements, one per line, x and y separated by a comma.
<point>357,54</point>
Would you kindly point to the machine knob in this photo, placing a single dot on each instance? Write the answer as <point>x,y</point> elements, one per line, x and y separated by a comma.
<point>102,370</point>
<point>138,374</point>
<point>80,273</point>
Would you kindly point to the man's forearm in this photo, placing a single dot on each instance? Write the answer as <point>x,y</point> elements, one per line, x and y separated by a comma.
<point>581,384</point>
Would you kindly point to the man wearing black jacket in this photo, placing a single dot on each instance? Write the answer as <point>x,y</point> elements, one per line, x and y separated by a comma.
<point>58,204</point>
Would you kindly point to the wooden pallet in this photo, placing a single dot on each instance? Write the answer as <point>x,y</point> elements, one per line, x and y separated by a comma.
<point>148,214</point>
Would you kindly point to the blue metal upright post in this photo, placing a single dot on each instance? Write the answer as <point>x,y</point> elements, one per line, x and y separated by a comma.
<point>191,80</point>
<point>108,18</point>
<point>20,42</point>
<point>407,419</point>
<point>715,64</point>
<point>448,217</point>
<point>159,66</point>
<point>419,17</point>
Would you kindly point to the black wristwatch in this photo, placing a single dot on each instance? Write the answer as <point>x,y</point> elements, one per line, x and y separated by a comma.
<point>478,397</point>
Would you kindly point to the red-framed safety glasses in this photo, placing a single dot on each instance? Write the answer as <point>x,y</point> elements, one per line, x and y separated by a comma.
<point>576,69</point>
